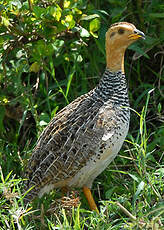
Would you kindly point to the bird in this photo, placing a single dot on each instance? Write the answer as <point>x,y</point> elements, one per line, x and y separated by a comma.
<point>85,136</point>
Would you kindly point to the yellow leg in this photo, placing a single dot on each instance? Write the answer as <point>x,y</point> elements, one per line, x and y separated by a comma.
<point>89,197</point>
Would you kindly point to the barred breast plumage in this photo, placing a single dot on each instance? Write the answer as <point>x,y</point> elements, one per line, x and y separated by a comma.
<point>84,137</point>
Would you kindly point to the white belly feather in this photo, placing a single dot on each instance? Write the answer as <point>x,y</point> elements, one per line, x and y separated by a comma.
<point>88,173</point>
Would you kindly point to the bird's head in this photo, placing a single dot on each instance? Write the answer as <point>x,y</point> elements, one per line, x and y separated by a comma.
<point>118,37</point>
<point>123,34</point>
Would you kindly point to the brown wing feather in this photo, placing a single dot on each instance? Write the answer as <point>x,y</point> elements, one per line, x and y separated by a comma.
<point>66,144</point>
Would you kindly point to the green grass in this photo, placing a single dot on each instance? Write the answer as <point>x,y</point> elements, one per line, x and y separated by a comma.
<point>45,63</point>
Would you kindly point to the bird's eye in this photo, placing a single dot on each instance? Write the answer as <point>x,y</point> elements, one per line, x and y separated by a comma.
<point>121,31</point>
<point>112,34</point>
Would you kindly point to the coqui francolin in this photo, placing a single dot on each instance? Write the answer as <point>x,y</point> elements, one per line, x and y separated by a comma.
<point>85,136</point>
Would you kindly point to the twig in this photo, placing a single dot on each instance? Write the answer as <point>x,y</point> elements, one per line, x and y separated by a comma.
<point>126,211</point>
<point>30,5</point>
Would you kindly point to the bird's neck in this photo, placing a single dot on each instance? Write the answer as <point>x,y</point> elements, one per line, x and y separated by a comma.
<point>112,87</point>
<point>115,57</point>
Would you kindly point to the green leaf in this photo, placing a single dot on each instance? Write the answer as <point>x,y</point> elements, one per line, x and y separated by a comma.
<point>69,18</point>
<point>44,119</point>
<point>84,33</point>
<point>68,21</point>
<point>160,171</point>
<point>66,4</point>
<point>76,11</point>
<point>54,111</point>
<point>139,189</point>
<point>5,21</point>
<point>94,25</point>
<point>2,115</point>
<point>159,108</point>
<point>16,3</point>
<point>70,80</point>
<point>55,12</point>
<point>156,15</point>
<point>133,176</point>
<point>89,17</point>
<point>109,192</point>
<point>138,50</point>
<point>79,58</point>
<point>38,11</point>
<point>35,67</point>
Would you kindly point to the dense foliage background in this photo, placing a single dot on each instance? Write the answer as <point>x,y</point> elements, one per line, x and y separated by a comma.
<point>51,52</point>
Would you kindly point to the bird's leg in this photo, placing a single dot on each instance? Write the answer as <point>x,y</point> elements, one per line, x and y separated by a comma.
<point>89,197</point>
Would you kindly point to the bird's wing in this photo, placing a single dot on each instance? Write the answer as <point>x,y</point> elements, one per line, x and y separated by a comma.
<point>69,141</point>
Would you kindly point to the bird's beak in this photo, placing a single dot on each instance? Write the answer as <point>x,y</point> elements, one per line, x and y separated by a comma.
<point>136,34</point>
